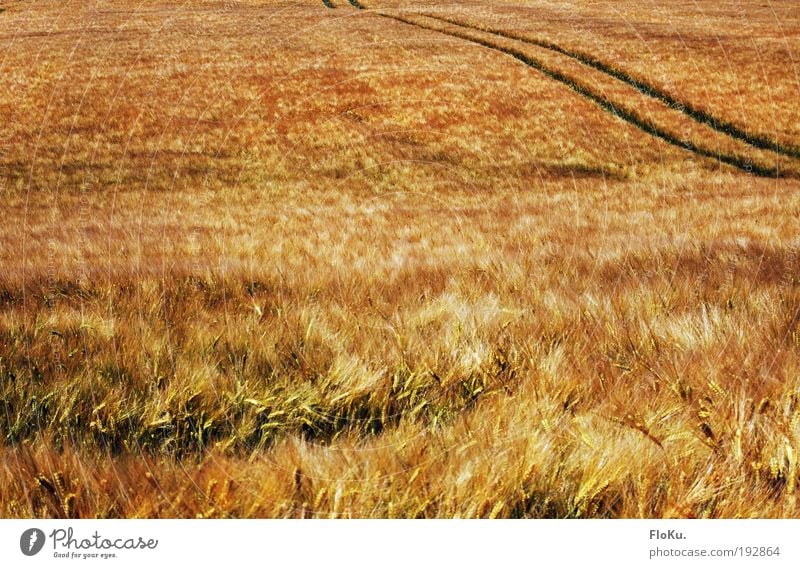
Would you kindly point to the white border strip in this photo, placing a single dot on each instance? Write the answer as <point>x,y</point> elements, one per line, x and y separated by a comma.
<point>401,544</point>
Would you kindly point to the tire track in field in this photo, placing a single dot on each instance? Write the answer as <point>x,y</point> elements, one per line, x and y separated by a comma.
<point>745,164</point>
<point>756,140</point>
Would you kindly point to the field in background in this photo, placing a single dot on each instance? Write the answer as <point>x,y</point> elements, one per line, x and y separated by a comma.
<point>393,259</point>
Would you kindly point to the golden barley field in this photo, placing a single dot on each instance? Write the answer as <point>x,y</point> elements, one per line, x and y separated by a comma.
<point>399,259</point>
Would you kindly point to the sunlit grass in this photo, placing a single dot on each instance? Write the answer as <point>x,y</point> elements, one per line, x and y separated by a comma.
<point>283,262</point>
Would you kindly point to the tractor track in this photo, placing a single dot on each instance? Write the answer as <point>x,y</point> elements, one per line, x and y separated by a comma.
<point>759,141</point>
<point>606,104</point>
<point>735,160</point>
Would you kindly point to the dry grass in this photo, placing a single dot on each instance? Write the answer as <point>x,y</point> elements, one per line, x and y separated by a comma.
<point>276,259</point>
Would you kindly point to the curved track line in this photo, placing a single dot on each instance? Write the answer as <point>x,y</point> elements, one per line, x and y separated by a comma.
<point>643,86</point>
<point>606,104</point>
<point>357,4</point>
<point>328,4</point>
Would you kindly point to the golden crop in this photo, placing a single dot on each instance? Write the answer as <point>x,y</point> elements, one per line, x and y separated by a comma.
<point>391,259</point>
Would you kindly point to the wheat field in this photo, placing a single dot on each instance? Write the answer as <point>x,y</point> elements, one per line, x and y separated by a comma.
<point>394,259</point>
